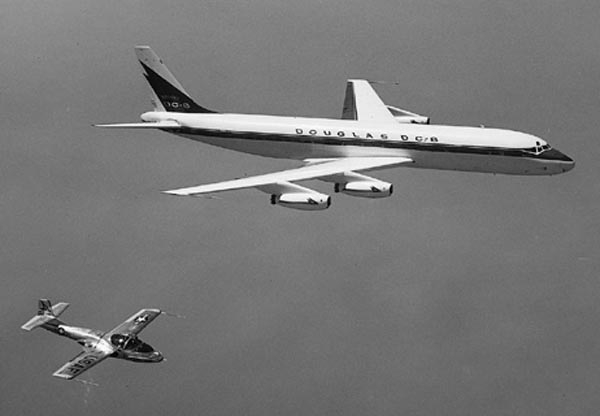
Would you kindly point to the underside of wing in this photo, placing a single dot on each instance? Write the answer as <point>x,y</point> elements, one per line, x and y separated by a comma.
<point>82,362</point>
<point>314,169</point>
<point>136,322</point>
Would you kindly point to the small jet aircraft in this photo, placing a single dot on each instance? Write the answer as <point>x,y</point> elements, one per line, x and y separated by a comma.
<point>370,135</point>
<point>120,342</point>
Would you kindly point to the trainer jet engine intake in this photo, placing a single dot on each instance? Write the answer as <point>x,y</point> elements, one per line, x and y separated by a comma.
<point>369,136</point>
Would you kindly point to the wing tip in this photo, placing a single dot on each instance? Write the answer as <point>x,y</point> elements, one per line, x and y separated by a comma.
<point>58,374</point>
<point>173,192</point>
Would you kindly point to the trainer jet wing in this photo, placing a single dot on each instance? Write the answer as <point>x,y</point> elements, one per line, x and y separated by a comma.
<point>85,360</point>
<point>286,193</point>
<point>136,322</point>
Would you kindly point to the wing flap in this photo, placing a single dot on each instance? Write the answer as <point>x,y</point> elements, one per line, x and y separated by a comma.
<point>313,170</point>
<point>80,363</point>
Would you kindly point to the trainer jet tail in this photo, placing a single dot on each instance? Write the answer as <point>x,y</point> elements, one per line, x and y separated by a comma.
<point>46,313</point>
<point>121,342</point>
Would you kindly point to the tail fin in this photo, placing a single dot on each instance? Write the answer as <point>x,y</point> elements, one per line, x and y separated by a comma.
<point>46,313</point>
<point>167,92</point>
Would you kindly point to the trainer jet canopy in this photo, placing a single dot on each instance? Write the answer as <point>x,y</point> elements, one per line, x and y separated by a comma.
<point>121,342</point>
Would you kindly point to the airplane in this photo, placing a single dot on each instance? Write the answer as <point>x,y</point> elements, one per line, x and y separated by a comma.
<point>121,342</point>
<point>369,136</point>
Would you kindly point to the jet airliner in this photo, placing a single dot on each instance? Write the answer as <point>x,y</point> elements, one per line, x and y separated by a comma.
<point>370,135</point>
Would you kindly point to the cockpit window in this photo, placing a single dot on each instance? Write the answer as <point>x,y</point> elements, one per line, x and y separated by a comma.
<point>118,340</point>
<point>538,149</point>
<point>130,343</point>
<point>143,347</point>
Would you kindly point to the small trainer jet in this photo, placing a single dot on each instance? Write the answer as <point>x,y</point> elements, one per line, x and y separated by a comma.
<point>370,135</point>
<point>120,342</point>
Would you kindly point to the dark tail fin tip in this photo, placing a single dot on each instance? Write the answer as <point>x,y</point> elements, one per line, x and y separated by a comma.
<point>44,305</point>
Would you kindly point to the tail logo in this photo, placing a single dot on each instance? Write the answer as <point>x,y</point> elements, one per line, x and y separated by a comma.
<point>170,96</point>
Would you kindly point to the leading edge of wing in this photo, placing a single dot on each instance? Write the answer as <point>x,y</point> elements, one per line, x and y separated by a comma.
<point>315,169</point>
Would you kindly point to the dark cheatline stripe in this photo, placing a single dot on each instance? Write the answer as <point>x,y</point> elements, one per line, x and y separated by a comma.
<point>386,144</point>
<point>171,98</point>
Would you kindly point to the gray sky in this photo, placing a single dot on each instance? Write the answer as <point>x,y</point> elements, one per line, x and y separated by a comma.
<point>463,294</point>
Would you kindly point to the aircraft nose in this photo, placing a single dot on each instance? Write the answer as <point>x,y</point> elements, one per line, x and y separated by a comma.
<point>158,357</point>
<point>567,166</point>
<point>565,162</point>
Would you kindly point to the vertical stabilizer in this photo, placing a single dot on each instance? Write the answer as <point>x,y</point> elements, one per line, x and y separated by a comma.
<point>167,93</point>
<point>46,313</point>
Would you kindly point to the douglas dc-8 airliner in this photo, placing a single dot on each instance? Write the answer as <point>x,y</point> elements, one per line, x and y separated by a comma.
<point>370,135</point>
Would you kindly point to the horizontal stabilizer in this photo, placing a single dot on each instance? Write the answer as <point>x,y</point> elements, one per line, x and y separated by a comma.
<point>46,313</point>
<point>59,308</point>
<point>164,124</point>
<point>37,321</point>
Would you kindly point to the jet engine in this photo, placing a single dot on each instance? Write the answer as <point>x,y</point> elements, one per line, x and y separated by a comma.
<point>403,116</point>
<point>306,201</point>
<point>365,189</point>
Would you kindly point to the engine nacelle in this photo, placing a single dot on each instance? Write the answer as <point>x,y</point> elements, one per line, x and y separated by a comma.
<point>412,120</point>
<point>403,116</point>
<point>365,189</point>
<point>307,201</point>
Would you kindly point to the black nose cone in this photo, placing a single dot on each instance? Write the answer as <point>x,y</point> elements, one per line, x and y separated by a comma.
<point>554,154</point>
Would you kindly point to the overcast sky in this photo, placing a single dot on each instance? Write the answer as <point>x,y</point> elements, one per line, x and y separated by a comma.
<point>463,294</point>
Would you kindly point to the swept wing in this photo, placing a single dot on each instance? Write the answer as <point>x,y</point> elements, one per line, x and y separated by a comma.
<point>315,169</point>
<point>362,103</point>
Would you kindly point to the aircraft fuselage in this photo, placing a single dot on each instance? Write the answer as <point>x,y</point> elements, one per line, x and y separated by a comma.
<point>472,149</point>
